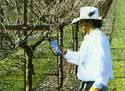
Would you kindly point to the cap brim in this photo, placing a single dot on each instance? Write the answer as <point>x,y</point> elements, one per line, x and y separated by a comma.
<point>75,20</point>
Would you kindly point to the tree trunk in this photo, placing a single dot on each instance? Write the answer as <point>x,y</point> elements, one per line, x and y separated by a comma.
<point>28,57</point>
<point>60,59</point>
<point>28,66</point>
<point>75,44</point>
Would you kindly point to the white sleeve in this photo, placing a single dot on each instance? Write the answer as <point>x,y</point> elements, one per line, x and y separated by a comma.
<point>101,55</point>
<point>72,57</point>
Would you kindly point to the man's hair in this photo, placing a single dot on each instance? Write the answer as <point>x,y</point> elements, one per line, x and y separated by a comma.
<point>97,23</point>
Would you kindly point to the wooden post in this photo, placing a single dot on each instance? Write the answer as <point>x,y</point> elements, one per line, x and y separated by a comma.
<point>25,63</point>
<point>75,43</point>
<point>28,55</point>
<point>60,59</point>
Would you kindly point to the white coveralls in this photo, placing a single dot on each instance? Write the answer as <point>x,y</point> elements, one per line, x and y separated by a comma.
<point>93,59</point>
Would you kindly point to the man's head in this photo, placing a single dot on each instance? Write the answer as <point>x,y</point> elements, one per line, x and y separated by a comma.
<point>89,18</point>
<point>86,25</point>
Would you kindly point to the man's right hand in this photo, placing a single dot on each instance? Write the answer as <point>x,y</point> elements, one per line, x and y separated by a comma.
<point>64,50</point>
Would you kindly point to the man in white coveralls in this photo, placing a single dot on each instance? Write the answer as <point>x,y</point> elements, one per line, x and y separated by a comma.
<point>93,58</point>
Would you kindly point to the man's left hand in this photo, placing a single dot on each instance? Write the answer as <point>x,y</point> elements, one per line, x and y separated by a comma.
<point>55,46</point>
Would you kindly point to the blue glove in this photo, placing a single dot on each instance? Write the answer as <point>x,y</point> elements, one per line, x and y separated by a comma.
<point>55,46</point>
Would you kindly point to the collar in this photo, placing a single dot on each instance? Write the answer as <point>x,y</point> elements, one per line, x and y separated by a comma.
<point>91,33</point>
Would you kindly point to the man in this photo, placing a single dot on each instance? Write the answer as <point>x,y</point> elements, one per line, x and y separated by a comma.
<point>93,58</point>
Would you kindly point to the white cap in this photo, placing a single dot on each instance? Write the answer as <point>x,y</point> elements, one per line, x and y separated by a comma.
<point>87,12</point>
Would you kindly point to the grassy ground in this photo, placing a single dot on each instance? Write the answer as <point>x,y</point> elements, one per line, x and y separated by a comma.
<point>11,68</point>
<point>118,41</point>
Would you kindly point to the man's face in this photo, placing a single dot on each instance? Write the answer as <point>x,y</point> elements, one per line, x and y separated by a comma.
<point>84,25</point>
